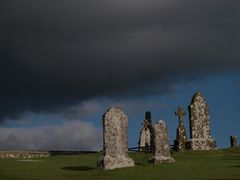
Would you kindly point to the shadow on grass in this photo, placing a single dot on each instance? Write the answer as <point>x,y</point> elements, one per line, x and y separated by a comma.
<point>231,158</point>
<point>78,168</point>
<point>235,166</point>
<point>227,179</point>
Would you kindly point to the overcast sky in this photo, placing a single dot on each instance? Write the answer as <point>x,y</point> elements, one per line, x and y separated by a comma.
<point>69,60</point>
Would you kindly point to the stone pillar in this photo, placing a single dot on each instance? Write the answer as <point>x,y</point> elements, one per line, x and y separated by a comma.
<point>181,137</point>
<point>233,141</point>
<point>200,132</point>
<point>162,148</point>
<point>115,140</point>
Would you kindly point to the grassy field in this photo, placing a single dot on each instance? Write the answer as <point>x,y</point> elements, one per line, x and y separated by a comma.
<point>220,164</point>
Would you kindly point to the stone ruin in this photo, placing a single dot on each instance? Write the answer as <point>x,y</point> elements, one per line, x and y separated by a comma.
<point>115,140</point>
<point>146,134</point>
<point>145,137</point>
<point>181,137</point>
<point>162,148</point>
<point>200,132</point>
<point>233,141</point>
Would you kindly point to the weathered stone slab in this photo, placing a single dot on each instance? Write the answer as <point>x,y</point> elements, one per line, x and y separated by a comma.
<point>162,148</point>
<point>200,132</point>
<point>115,140</point>
<point>233,141</point>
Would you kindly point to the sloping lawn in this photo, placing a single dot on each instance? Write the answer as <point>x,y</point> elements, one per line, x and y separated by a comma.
<point>220,164</point>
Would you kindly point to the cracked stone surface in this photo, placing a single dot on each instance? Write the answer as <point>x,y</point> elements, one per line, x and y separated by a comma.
<point>200,132</point>
<point>162,148</point>
<point>115,140</point>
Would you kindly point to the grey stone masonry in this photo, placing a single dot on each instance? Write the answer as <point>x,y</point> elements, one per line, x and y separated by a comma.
<point>162,148</point>
<point>115,140</point>
<point>200,132</point>
<point>23,154</point>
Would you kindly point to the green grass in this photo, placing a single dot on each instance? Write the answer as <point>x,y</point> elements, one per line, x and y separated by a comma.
<point>220,164</point>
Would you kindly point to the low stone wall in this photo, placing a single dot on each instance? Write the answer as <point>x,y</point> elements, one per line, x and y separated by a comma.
<point>23,154</point>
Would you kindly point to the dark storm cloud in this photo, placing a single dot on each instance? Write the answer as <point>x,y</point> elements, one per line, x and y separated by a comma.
<point>56,53</point>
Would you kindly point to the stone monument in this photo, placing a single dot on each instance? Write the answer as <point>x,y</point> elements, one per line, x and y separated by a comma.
<point>181,138</point>
<point>115,140</point>
<point>162,148</point>
<point>233,141</point>
<point>200,132</point>
<point>145,137</point>
<point>146,134</point>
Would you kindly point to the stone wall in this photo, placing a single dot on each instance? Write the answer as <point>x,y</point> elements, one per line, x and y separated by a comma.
<point>23,154</point>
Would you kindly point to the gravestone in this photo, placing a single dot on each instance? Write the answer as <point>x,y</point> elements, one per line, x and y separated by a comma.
<point>162,148</point>
<point>115,140</point>
<point>233,141</point>
<point>181,137</point>
<point>200,132</point>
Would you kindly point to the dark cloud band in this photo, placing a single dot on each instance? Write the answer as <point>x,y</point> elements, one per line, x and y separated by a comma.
<point>55,53</point>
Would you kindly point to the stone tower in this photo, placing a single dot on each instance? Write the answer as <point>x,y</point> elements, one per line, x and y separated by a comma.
<point>200,132</point>
<point>115,140</point>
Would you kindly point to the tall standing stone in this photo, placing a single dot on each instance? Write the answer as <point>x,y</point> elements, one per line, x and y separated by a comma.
<point>181,137</point>
<point>233,141</point>
<point>200,132</point>
<point>115,140</point>
<point>162,148</point>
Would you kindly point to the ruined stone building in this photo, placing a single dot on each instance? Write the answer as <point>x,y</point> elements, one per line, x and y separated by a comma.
<point>146,141</point>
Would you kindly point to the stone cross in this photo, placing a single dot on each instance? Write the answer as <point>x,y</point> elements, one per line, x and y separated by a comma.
<point>180,113</point>
<point>145,123</point>
<point>115,140</point>
<point>181,137</point>
<point>162,148</point>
